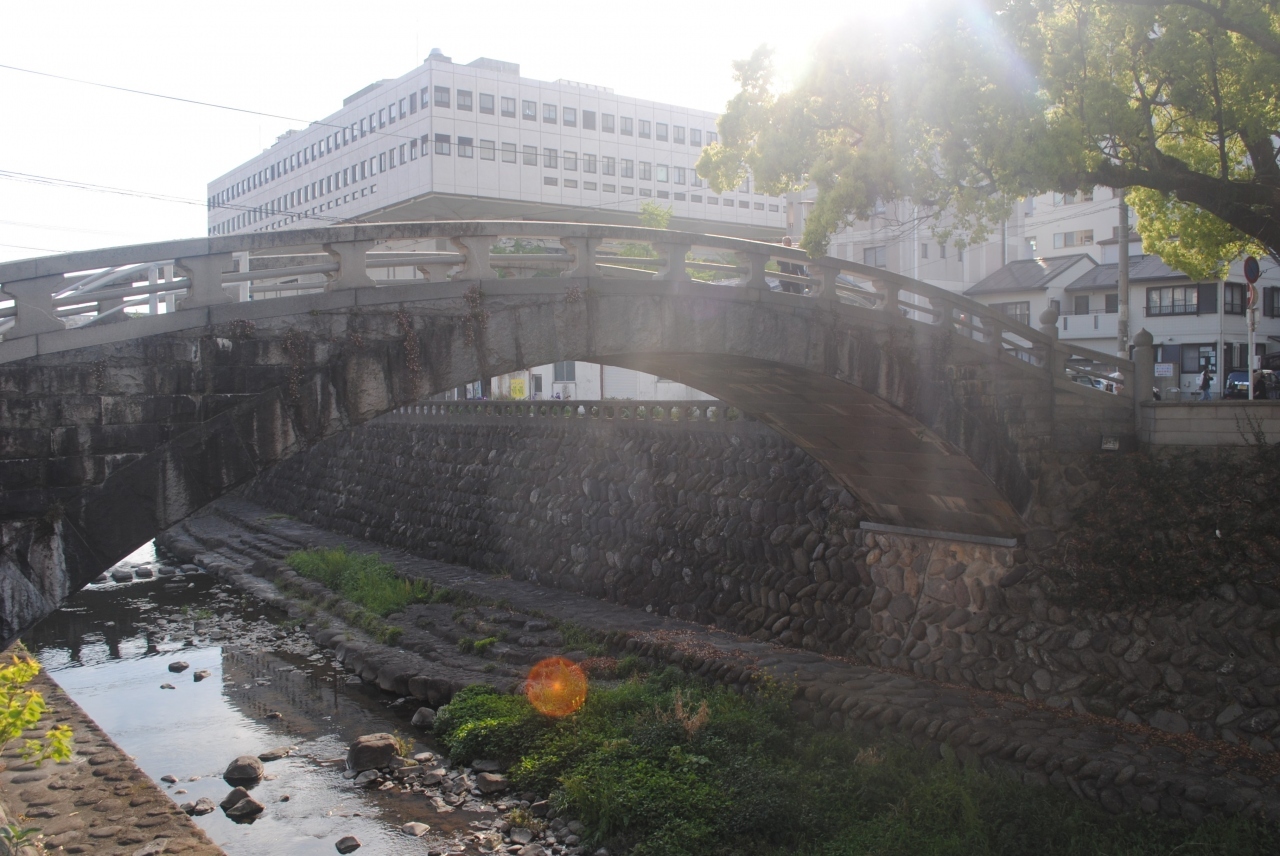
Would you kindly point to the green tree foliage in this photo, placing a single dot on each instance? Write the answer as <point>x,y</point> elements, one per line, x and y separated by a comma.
<point>653,215</point>
<point>21,709</point>
<point>965,107</point>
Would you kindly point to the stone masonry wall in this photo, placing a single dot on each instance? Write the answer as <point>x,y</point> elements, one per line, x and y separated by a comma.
<point>736,527</point>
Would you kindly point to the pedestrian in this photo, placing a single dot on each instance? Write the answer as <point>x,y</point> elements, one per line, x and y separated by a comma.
<point>793,269</point>
<point>1206,379</point>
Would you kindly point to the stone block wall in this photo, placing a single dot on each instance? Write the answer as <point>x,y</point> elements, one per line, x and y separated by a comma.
<point>740,529</point>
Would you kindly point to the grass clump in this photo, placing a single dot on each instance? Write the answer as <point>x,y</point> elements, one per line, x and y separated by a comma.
<point>664,765</point>
<point>362,578</point>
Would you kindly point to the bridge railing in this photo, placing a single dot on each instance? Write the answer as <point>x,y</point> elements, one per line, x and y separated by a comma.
<point>708,412</point>
<point>56,293</point>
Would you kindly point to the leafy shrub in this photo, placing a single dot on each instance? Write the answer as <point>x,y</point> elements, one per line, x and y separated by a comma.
<point>21,709</point>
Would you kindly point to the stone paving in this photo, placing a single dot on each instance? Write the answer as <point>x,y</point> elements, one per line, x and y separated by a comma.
<point>99,802</point>
<point>1122,766</point>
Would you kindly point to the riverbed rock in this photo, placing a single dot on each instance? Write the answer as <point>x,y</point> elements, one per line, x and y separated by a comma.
<point>122,575</point>
<point>232,798</point>
<point>202,806</point>
<point>487,766</point>
<point>167,687</point>
<point>200,674</point>
<point>417,830</point>
<point>179,666</point>
<point>371,751</point>
<point>347,844</point>
<point>367,778</point>
<point>521,835</point>
<point>276,754</point>
<point>425,718</point>
<point>492,783</point>
<point>246,768</point>
<point>532,850</point>
<point>245,810</point>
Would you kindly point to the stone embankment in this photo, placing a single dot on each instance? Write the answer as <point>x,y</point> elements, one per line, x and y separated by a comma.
<point>99,802</point>
<point>1122,765</point>
<point>737,528</point>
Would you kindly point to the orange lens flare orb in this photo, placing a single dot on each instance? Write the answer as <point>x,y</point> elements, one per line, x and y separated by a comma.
<point>556,687</point>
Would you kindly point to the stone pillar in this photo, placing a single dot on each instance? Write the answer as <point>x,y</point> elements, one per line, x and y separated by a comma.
<point>475,254</point>
<point>827,275</point>
<point>756,263</point>
<point>671,262</point>
<point>1049,327</point>
<point>33,306</point>
<point>583,251</point>
<point>1144,374</point>
<point>352,259</point>
<point>204,280</point>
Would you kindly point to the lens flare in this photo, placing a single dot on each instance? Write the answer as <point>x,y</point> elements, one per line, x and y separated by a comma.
<point>556,687</point>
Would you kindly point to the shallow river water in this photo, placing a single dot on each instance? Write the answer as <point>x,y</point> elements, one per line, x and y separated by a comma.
<point>110,647</point>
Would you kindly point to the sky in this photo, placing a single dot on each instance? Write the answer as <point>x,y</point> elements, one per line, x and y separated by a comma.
<point>299,60</point>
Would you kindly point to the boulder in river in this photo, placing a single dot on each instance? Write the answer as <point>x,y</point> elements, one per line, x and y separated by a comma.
<point>179,666</point>
<point>425,718</point>
<point>492,783</point>
<point>371,752</point>
<point>276,754</point>
<point>347,844</point>
<point>417,830</point>
<point>204,805</point>
<point>200,674</point>
<point>232,798</point>
<point>245,810</point>
<point>122,575</point>
<point>246,768</point>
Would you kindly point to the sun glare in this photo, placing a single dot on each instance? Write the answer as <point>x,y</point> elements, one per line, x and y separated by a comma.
<point>556,687</point>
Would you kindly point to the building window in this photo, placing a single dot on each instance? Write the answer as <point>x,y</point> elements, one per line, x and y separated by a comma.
<point>570,116</point>
<point>624,125</point>
<point>391,120</point>
<point>413,102</point>
<point>549,113</point>
<point>677,175</point>
<point>609,188</point>
<point>924,250</point>
<point>875,257</point>
<point>486,150</point>
<point>571,161</point>
<point>695,136</point>
<point>697,197</point>
<point>486,103</point>
<point>565,372</point>
<point>663,172</point>
<point>759,206</point>
<point>465,147</point>
<point>508,152</point>
<point>1072,198</point>
<point>530,155</point>
<point>695,181</point>
<point>588,185</point>
<point>644,128</point>
<point>1173,300</point>
<point>588,163</point>
<point>606,122</point>
<point>464,99</point>
<point>508,107</point>
<point>679,197</point>
<point>607,166</point>
<point>1080,305</point>
<point>529,110</point>
<point>644,191</point>
<point>773,208</point>
<point>677,134</point>
<point>1112,303</point>
<point>550,181</point>
<point>1019,311</point>
<point>1196,358</point>
<point>713,200</point>
<point>442,144</point>
<point>1081,238</point>
<point>626,188</point>
<point>646,171</point>
<point>382,119</point>
<point>628,168</point>
<point>413,155</point>
<point>549,158</point>
<point>662,194</point>
<point>1233,299</point>
<point>571,182</point>
<point>1271,302</point>
<point>662,132</point>
<point>588,120</point>
<point>442,96</point>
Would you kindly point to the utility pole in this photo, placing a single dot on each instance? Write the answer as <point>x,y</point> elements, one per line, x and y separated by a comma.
<point>1122,323</point>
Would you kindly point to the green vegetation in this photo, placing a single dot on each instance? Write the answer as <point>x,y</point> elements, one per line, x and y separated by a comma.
<point>467,645</point>
<point>663,766</point>
<point>21,709</point>
<point>578,638</point>
<point>13,838</point>
<point>362,578</point>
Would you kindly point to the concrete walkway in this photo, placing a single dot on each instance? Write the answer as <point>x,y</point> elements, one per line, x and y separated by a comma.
<point>1123,767</point>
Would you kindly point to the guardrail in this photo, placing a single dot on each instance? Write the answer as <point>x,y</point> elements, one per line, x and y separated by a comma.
<point>705,412</point>
<point>55,293</point>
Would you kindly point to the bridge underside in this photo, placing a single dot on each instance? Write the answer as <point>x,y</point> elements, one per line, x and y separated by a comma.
<point>901,471</point>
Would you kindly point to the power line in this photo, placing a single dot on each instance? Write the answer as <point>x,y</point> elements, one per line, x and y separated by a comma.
<point>37,249</point>
<point>58,228</point>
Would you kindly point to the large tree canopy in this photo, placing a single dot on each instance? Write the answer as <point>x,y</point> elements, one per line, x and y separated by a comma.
<point>964,107</point>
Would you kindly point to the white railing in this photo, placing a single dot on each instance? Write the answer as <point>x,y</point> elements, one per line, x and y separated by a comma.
<point>55,293</point>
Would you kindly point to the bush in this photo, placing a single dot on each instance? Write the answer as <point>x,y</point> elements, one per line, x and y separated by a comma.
<point>21,709</point>
<point>362,578</point>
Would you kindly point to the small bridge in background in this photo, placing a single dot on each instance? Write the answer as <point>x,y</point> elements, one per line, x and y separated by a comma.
<point>138,384</point>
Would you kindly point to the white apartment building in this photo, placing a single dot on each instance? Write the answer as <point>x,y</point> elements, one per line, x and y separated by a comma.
<point>478,141</point>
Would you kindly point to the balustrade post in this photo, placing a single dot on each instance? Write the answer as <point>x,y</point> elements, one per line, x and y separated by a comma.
<point>827,274</point>
<point>1049,327</point>
<point>352,258</point>
<point>33,306</point>
<point>475,255</point>
<point>584,256</point>
<point>1144,368</point>
<point>204,280</point>
<point>888,292</point>
<point>757,264</point>
<point>105,306</point>
<point>945,310</point>
<point>671,258</point>
<point>437,271</point>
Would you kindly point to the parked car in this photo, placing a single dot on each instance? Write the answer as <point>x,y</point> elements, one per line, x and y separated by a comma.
<point>1237,385</point>
<point>1095,382</point>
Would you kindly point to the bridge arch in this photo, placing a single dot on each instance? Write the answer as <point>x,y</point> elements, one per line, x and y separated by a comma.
<point>932,410</point>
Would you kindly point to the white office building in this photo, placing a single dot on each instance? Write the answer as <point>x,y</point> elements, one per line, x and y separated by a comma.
<point>478,141</point>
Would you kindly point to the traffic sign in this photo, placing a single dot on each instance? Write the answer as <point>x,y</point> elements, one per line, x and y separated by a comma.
<point>1252,270</point>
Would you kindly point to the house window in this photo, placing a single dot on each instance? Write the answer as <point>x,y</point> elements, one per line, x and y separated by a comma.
<point>442,144</point>
<point>570,116</point>
<point>646,171</point>
<point>1080,305</point>
<point>465,147</point>
<point>875,257</point>
<point>588,163</point>
<point>508,152</point>
<point>607,166</point>
<point>662,132</point>
<point>486,103</point>
<point>606,122</point>
<point>486,150</point>
<point>1072,198</point>
<point>549,158</point>
<point>1112,303</point>
<point>1081,238</point>
<point>644,128</point>
<point>588,120</point>
<point>464,99</point>
<point>1173,300</point>
<point>508,107</point>
<point>628,168</point>
<point>1271,302</point>
<point>549,113</point>
<point>530,155</point>
<point>662,172</point>
<point>695,136</point>
<point>565,372</point>
<point>442,96</point>
<point>1196,358</point>
<point>570,161</point>
<point>1233,299</point>
<point>624,125</point>
<point>529,110</point>
<point>924,250</point>
<point>1019,311</point>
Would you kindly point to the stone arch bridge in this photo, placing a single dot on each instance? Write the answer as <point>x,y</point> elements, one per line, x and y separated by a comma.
<point>140,383</point>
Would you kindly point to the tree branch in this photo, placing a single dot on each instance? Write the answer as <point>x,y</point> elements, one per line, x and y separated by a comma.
<point>1265,40</point>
